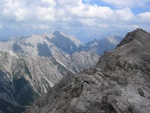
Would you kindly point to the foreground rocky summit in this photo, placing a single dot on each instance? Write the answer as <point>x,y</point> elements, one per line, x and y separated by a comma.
<point>119,83</point>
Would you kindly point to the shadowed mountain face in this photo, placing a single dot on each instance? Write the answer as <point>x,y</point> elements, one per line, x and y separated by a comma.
<point>65,43</point>
<point>15,89</point>
<point>119,83</point>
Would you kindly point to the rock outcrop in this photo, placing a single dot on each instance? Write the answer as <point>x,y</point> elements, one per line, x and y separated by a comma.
<point>119,83</point>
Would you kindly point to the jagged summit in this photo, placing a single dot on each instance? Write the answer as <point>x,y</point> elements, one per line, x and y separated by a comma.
<point>56,33</point>
<point>134,47</point>
<point>138,34</point>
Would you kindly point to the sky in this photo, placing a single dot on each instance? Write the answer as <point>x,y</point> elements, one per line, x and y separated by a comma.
<point>86,19</point>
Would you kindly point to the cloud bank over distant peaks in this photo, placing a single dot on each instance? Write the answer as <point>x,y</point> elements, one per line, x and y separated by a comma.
<point>73,15</point>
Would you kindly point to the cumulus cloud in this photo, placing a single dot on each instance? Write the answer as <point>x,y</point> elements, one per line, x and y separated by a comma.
<point>14,10</point>
<point>60,10</point>
<point>40,26</point>
<point>125,14</point>
<point>144,17</point>
<point>67,14</point>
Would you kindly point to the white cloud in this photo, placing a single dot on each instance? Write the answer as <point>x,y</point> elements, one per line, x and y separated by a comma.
<point>124,14</point>
<point>40,26</point>
<point>144,17</point>
<point>67,14</point>
<point>14,10</point>
<point>44,14</point>
<point>62,11</point>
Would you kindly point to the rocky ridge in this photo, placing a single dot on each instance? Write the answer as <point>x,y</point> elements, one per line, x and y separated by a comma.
<point>119,83</point>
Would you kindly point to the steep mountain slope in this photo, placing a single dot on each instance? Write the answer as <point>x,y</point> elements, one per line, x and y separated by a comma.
<point>61,47</point>
<point>23,80</point>
<point>107,44</point>
<point>79,61</point>
<point>14,87</point>
<point>30,66</point>
<point>120,83</point>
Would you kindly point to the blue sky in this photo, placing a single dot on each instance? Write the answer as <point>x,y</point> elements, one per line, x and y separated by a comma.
<point>86,19</point>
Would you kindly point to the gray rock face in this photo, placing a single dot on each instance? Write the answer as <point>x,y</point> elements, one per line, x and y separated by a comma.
<point>119,83</point>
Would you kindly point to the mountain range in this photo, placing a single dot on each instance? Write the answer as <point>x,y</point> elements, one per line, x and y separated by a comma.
<point>30,66</point>
<point>104,45</point>
<point>119,83</point>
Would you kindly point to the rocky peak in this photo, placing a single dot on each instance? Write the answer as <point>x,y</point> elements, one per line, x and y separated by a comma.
<point>57,33</point>
<point>138,34</point>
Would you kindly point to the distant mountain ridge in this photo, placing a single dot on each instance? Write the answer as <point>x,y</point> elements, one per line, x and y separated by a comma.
<point>32,65</point>
<point>36,44</point>
<point>103,45</point>
<point>119,83</point>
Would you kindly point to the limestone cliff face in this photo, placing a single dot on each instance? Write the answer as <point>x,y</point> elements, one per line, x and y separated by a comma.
<point>30,66</point>
<point>119,83</point>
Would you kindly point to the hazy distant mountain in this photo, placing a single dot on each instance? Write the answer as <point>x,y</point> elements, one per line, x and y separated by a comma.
<point>119,83</point>
<point>106,44</point>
